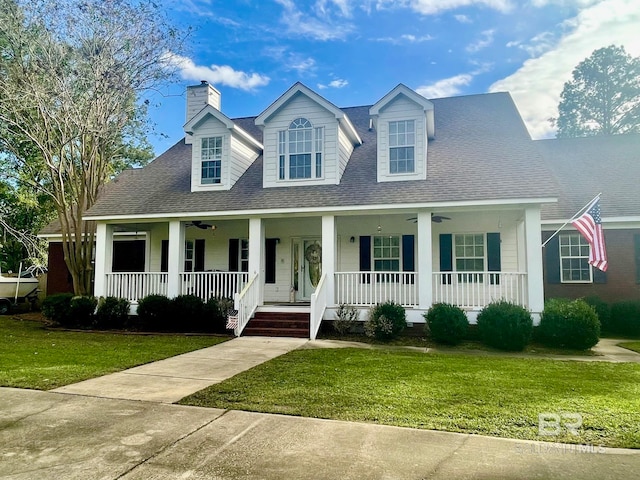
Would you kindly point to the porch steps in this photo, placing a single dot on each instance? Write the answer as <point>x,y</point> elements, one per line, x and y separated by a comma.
<point>279,324</point>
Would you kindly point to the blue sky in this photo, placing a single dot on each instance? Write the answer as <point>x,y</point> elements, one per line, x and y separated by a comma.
<point>354,52</point>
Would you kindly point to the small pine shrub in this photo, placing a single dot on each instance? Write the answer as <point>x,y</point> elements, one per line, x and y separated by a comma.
<point>190,310</point>
<point>82,310</point>
<point>154,312</point>
<point>505,325</point>
<point>446,323</point>
<point>112,312</point>
<point>57,308</point>
<point>625,317</point>
<point>569,324</point>
<point>603,309</point>
<point>386,321</point>
<point>346,319</point>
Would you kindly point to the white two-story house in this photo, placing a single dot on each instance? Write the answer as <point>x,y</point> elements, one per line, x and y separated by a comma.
<point>308,206</point>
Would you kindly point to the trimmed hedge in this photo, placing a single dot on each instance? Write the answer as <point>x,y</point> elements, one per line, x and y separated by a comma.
<point>112,312</point>
<point>570,324</point>
<point>625,318</point>
<point>446,323</point>
<point>82,310</point>
<point>57,308</point>
<point>386,321</point>
<point>154,312</point>
<point>603,309</point>
<point>505,325</point>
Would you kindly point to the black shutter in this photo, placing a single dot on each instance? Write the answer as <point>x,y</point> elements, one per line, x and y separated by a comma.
<point>408,260</point>
<point>599,276</point>
<point>164,256</point>
<point>270,260</point>
<point>365,258</point>
<point>234,247</point>
<point>199,255</point>
<point>494,263</point>
<point>552,260</point>
<point>636,242</point>
<point>446,256</point>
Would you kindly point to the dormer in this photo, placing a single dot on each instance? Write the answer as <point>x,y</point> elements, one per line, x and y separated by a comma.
<point>307,140</point>
<point>221,151</point>
<point>404,122</point>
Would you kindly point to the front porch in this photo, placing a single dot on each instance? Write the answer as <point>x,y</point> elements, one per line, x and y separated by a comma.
<point>464,257</point>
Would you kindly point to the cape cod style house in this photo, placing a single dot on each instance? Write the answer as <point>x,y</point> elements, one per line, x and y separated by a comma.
<point>308,206</point>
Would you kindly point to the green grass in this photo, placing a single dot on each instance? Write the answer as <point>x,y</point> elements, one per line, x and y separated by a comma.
<point>32,357</point>
<point>635,346</point>
<point>459,393</point>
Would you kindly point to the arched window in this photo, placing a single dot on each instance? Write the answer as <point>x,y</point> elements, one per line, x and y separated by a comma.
<point>297,148</point>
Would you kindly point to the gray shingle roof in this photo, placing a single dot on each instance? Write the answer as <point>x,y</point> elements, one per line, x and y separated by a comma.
<point>584,167</point>
<point>481,151</point>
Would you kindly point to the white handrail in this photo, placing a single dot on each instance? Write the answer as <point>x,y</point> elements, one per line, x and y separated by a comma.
<point>370,288</point>
<point>318,307</point>
<point>135,285</point>
<point>206,285</point>
<point>475,290</point>
<point>246,303</point>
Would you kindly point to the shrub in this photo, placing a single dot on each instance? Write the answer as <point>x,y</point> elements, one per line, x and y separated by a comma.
<point>57,308</point>
<point>82,310</point>
<point>570,324</point>
<point>505,325</point>
<point>216,311</point>
<point>446,323</point>
<point>625,317</point>
<point>346,319</point>
<point>603,309</point>
<point>386,321</point>
<point>190,310</point>
<point>112,312</point>
<point>154,312</point>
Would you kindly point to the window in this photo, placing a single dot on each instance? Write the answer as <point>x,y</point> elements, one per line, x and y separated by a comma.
<point>188,256</point>
<point>402,146</point>
<point>386,253</point>
<point>300,151</point>
<point>211,155</point>
<point>243,255</point>
<point>574,259</point>
<point>469,256</point>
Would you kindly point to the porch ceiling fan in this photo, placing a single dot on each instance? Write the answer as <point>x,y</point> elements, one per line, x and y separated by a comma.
<point>200,224</point>
<point>434,218</point>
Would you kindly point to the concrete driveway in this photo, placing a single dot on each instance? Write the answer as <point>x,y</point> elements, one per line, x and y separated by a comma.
<point>46,435</point>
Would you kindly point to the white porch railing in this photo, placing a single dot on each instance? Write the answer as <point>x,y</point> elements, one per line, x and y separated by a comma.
<point>475,290</point>
<point>318,307</point>
<point>134,286</point>
<point>208,285</point>
<point>246,303</point>
<point>370,288</point>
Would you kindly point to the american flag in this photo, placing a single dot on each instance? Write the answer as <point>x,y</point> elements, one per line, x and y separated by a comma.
<point>589,224</point>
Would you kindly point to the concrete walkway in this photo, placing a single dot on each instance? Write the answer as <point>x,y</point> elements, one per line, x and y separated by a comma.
<point>169,380</point>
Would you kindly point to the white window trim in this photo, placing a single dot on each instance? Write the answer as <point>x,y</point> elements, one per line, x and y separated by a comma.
<point>373,257</point>
<point>189,245</point>
<point>391,147</point>
<point>582,242</point>
<point>202,160</point>
<point>317,147</point>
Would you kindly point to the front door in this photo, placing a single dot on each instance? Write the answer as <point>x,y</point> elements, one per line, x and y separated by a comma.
<point>307,266</point>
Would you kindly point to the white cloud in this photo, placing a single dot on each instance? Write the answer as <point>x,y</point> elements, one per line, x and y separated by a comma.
<point>217,74</point>
<point>337,83</point>
<point>537,85</point>
<point>406,38</point>
<point>485,40</point>
<point>434,7</point>
<point>322,26</point>
<point>462,18</point>
<point>446,87</point>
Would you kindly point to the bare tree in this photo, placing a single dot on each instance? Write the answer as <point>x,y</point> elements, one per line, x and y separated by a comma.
<point>72,78</point>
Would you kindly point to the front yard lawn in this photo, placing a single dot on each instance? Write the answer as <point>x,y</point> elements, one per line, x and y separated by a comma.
<point>33,357</point>
<point>458,393</point>
<point>635,346</point>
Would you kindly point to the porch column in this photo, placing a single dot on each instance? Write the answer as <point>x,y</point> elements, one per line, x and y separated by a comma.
<point>533,239</point>
<point>256,254</point>
<point>425,261</point>
<point>329,256</point>
<point>104,256</point>
<point>175,262</point>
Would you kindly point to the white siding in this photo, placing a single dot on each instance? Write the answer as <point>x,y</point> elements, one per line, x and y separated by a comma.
<point>198,97</point>
<point>237,156</point>
<point>402,109</point>
<point>301,107</point>
<point>345,150</point>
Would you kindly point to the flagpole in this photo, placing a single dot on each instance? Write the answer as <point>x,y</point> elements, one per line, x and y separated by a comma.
<point>591,202</point>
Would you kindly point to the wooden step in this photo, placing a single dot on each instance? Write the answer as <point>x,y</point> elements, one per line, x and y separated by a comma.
<point>279,324</point>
